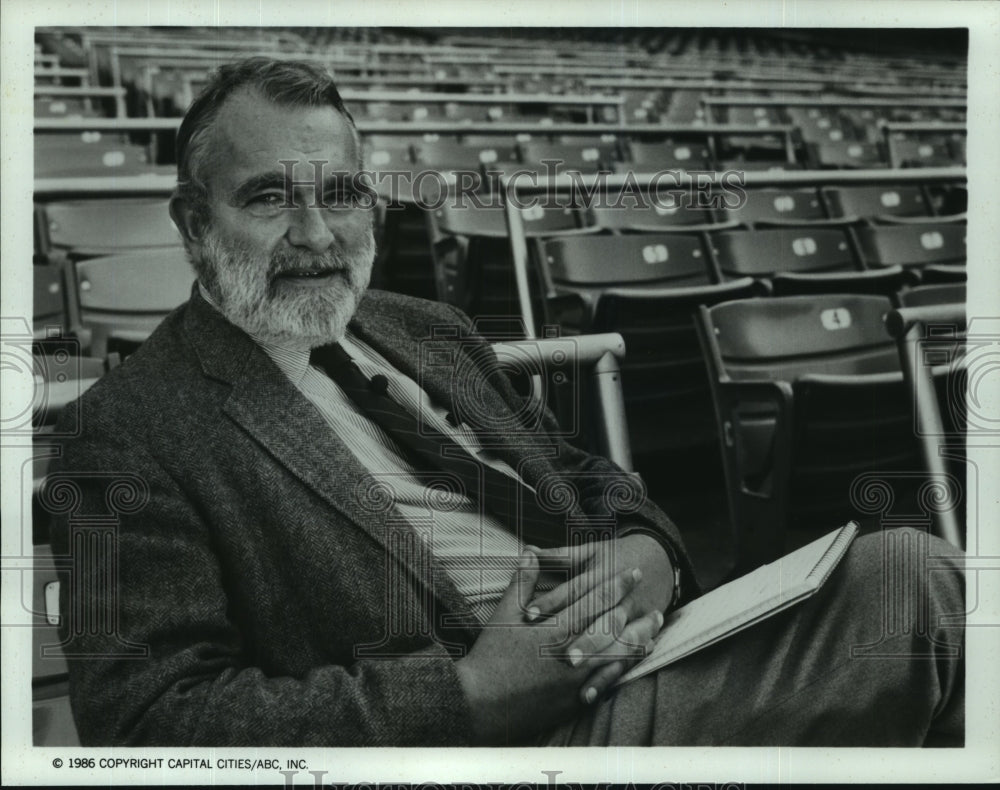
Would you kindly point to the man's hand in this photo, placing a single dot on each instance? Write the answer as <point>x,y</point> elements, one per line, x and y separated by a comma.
<point>591,566</point>
<point>516,677</point>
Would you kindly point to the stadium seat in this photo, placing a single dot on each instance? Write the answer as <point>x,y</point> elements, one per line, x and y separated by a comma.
<point>846,154</point>
<point>818,125</point>
<point>647,288</point>
<point>90,155</point>
<point>760,165</point>
<point>643,106</point>
<point>49,302</point>
<point>583,157</point>
<point>123,298</point>
<point>752,116</point>
<point>62,374</point>
<point>918,246</point>
<point>667,155</point>
<point>676,260</point>
<point>45,609</point>
<point>64,107</point>
<point>959,152</point>
<point>684,107</point>
<point>52,720</point>
<point>777,206</point>
<point>105,226</point>
<point>445,154</point>
<point>461,113</point>
<point>938,293</point>
<point>948,201</point>
<point>656,216</point>
<point>800,260</point>
<point>808,396</point>
<point>920,152</point>
<point>465,155</point>
<point>755,151</point>
<point>399,111</point>
<point>471,252</point>
<point>385,154</point>
<point>876,201</point>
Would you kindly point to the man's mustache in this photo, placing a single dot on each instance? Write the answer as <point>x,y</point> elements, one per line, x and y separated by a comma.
<point>285,261</point>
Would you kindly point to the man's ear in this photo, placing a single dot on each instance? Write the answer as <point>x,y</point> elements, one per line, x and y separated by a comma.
<point>189,222</point>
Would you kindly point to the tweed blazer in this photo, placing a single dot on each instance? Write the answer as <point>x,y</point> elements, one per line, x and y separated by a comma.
<point>237,577</point>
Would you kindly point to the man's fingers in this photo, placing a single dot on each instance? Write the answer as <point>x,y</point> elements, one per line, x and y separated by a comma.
<point>561,596</point>
<point>519,591</point>
<point>564,556</point>
<point>616,637</point>
<point>600,681</point>
<point>604,597</point>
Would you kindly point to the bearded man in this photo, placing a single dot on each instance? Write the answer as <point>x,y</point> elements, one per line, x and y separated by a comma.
<point>260,592</point>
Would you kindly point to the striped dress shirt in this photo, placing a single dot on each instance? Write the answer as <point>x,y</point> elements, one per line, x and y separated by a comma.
<point>476,550</point>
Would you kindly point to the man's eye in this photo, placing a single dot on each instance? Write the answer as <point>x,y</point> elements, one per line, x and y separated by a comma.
<point>267,200</point>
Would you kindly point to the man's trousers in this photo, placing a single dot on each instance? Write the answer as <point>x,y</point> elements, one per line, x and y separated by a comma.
<point>874,658</point>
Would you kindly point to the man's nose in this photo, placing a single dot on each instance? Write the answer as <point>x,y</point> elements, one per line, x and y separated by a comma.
<point>308,228</point>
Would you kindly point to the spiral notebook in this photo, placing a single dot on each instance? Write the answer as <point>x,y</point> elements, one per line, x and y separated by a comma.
<point>745,601</point>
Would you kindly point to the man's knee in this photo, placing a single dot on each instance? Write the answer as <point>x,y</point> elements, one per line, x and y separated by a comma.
<point>906,573</point>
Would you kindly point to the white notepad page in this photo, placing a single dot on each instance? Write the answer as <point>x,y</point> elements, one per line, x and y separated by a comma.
<point>745,601</point>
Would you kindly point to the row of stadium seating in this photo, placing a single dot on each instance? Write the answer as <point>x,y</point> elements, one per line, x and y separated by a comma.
<point>93,153</point>
<point>758,361</point>
<point>87,227</point>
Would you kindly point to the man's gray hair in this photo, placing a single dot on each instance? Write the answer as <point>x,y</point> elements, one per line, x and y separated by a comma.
<point>288,82</point>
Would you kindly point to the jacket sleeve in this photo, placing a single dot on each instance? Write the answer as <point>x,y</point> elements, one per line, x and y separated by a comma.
<point>154,655</point>
<point>594,476</point>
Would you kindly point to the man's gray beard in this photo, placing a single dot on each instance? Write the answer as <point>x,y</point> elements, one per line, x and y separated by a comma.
<point>240,280</point>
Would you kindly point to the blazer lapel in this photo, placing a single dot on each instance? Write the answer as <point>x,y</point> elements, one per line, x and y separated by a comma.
<point>449,375</point>
<point>283,421</point>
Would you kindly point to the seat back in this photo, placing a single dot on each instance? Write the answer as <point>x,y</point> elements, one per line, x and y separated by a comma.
<point>809,398</point>
<point>646,287</point>
<point>784,339</point>
<point>468,219</point>
<point>847,154</point>
<point>387,151</point>
<point>122,298</point>
<point>650,215</point>
<point>916,245</point>
<point>448,155</point>
<point>668,155</point>
<point>384,154</point>
<point>666,388</point>
<point>747,115</point>
<point>49,302</point>
<point>64,107</point>
<point>876,201</point>
<point>776,205</point>
<point>820,125</point>
<point>763,253</point>
<point>924,295</point>
<point>88,228</point>
<point>89,155</point>
<point>52,720</point>
<point>662,259</point>
<point>472,260</point>
<point>920,152</point>
<point>585,157</point>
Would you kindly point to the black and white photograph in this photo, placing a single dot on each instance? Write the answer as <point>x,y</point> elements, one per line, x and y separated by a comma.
<point>396,394</point>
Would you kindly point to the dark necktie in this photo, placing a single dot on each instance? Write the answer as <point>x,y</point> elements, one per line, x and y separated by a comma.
<point>426,448</point>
